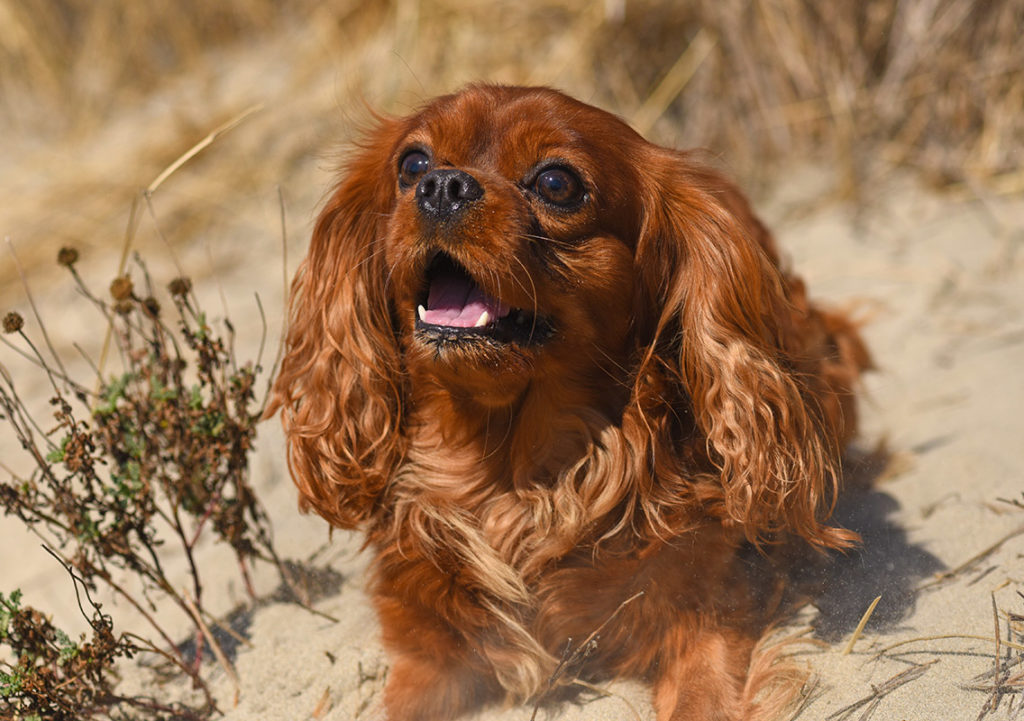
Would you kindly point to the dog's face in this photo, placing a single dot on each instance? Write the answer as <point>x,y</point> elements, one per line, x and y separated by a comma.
<point>511,243</point>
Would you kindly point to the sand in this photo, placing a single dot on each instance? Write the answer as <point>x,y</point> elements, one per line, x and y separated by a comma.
<point>938,279</point>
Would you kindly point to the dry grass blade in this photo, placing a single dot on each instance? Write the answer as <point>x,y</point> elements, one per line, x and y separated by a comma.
<point>226,628</point>
<point>943,636</point>
<point>879,692</point>
<point>200,146</point>
<point>984,553</point>
<point>1005,666</point>
<point>1003,683</point>
<point>674,81</point>
<point>860,626</point>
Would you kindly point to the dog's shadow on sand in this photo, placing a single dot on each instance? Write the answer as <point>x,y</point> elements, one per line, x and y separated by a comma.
<point>842,585</point>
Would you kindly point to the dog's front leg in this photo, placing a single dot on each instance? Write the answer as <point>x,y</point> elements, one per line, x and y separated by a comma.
<point>435,674</point>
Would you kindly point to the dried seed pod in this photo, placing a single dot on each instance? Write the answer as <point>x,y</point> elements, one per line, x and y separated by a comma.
<point>13,322</point>
<point>121,288</point>
<point>179,286</point>
<point>67,256</point>
<point>151,306</point>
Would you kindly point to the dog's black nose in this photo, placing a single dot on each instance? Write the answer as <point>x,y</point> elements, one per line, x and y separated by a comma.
<point>444,193</point>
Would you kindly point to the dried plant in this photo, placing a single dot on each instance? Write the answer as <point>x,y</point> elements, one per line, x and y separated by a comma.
<point>51,677</point>
<point>156,456</point>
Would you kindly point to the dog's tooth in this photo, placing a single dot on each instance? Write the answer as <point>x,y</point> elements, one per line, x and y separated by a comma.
<point>483,320</point>
<point>421,311</point>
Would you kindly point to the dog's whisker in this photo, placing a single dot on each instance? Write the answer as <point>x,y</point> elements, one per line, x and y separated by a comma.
<point>533,296</point>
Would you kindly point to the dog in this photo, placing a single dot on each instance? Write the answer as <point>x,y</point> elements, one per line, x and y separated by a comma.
<point>560,378</point>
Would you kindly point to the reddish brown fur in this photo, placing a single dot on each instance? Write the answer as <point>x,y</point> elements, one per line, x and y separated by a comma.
<point>689,401</point>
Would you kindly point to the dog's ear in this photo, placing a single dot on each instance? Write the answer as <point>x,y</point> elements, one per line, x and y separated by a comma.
<point>340,388</point>
<point>721,346</point>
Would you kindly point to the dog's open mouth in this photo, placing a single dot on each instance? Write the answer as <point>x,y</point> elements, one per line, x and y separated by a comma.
<point>455,308</point>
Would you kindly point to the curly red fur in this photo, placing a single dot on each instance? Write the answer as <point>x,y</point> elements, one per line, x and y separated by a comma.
<point>658,394</point>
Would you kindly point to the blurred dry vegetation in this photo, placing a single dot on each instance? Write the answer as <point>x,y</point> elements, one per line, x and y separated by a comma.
<point>97,97</point>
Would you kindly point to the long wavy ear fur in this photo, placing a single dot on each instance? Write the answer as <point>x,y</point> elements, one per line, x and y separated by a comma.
<point>340,390</point>
<point>727,340</point>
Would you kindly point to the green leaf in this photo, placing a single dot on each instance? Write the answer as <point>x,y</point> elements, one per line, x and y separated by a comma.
<point>160,393</point>
<point>8,607</point>
<point>134,444</point>
<point>68,648</point>
<point>195,400</point>
<point>113,392</point>
<point>57,454</point>
<point>11,683</point>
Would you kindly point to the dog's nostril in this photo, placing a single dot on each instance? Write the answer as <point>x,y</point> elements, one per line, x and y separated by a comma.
<point>428,187</point>
<point>464,187</point>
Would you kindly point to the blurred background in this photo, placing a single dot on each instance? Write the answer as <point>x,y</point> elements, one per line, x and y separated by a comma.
<point>96,98</point>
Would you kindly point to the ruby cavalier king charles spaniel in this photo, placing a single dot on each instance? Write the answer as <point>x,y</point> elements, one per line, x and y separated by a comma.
<point>559,377</point>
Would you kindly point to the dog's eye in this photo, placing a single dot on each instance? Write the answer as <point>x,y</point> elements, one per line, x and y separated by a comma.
<point>558,186</point>
<point>412,166</point>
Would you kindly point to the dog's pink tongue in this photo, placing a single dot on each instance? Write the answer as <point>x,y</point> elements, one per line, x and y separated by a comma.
<point>455,302</point>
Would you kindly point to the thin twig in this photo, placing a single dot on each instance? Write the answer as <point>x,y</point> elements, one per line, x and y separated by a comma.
<point>33,358</point>
<point>152,621</point>
<point>148,645</point>
<point>88,359</point>
<point>226,628</point>
<point>23,422</point>
<point>75,580</point>
<point>995,621</point>
<point>222,658</point>
<point>35,310</point>
<point>1009,664</point>
<point>581,650</point>
<point>263,331</point>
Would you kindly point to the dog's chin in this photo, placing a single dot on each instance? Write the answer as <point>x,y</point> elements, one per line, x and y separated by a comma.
<point>471,364</point>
